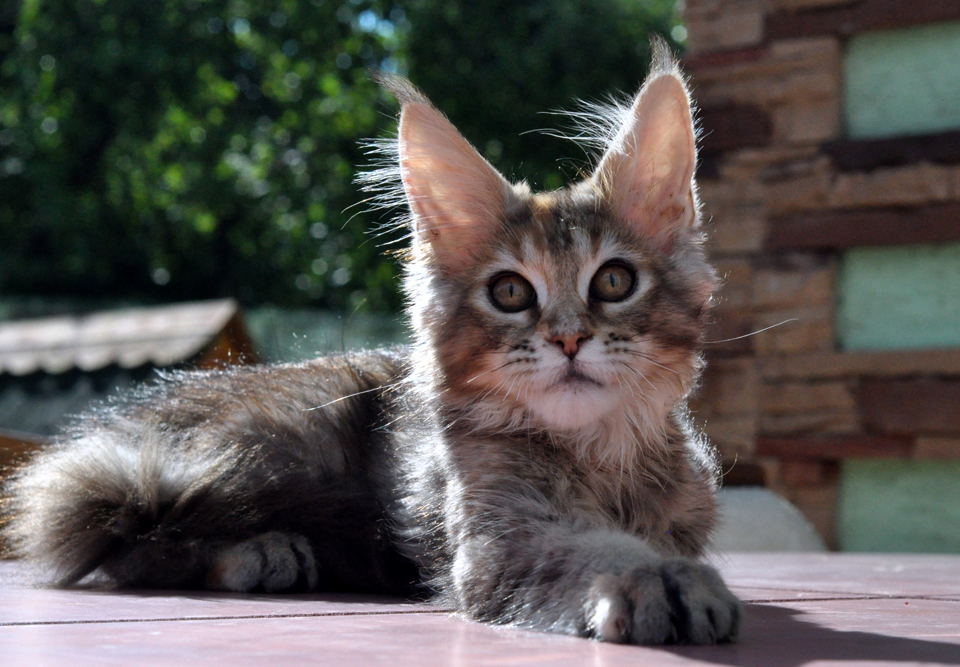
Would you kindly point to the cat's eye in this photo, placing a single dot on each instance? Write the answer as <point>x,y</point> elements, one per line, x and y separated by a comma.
<point>511,293</point>
<point>613,282</point>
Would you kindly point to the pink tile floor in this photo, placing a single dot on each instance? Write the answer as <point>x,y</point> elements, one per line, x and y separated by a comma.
<point>801,609</point>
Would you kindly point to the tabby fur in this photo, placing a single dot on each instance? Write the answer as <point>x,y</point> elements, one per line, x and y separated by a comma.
<point>535,467</point>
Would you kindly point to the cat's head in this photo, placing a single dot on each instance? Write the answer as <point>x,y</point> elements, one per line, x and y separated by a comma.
<point>560,310</point>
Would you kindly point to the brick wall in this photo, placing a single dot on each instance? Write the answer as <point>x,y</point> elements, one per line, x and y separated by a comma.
<point>785,193</point>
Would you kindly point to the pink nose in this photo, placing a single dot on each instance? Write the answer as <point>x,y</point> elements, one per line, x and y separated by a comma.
<point>570,343</point>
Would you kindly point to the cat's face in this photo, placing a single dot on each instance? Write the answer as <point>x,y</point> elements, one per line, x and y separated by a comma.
<point>570,316</point>
<point>560,310</point>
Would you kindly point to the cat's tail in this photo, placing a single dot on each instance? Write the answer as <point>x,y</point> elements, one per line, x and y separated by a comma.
<point>91,501</point>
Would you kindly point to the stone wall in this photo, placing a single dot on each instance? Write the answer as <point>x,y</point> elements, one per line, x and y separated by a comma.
<point>785,193</point>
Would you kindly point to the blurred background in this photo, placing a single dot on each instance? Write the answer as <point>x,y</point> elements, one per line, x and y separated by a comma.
<point>177,189</point>
<point>197,149</point>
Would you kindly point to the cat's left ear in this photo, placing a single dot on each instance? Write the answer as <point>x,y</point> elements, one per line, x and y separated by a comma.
<point>647,172</point>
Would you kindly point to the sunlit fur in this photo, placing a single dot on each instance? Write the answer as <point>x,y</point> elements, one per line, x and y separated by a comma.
<point>501,370</point>
<point>537,468</point>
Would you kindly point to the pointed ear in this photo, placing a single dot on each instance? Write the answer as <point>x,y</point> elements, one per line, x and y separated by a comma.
<point>456,197</point>
<point>646,174</point>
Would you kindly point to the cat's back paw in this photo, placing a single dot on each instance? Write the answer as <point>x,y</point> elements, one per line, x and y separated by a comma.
<point>680,601</point>
<point>271,562</point>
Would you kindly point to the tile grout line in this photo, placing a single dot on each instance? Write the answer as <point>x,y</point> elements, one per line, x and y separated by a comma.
<point>10,624</point>
<point>851,598</point>
<point>846,593</point>
<point>172,619</point>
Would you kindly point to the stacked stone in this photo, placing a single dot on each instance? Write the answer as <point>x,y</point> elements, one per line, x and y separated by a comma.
<point>784,194</point>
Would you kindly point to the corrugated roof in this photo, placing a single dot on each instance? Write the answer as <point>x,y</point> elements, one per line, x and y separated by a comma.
<point>129,338</point>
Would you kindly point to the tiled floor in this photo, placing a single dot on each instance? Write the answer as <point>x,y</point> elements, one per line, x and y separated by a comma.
<point>815,609</point>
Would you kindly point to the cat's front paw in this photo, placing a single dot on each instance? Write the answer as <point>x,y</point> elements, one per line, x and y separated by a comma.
<point>678,602</point>
<point>271,561</point>
<point>704,610</point>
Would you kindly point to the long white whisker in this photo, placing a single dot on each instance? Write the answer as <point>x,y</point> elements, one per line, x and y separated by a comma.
<point>504,365</point>
<point>754,333</point>
<point>343,398</point>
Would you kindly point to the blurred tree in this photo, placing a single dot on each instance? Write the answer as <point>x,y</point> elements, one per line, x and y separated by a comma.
<point>495,67</point>
<point>183,149</point>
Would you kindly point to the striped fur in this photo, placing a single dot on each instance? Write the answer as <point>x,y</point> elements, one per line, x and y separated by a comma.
<point>535,467</point>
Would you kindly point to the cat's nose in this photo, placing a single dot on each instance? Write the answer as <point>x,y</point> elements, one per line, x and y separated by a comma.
<point>570,343</point>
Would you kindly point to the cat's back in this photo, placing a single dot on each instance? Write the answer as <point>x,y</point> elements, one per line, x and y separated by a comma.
<point>339,388</point>
<point>224,454</point>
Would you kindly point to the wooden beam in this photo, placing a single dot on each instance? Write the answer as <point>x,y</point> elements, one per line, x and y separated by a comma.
<point>865,154</point>
<point>887,364</point>
<point>734,126</point>
<point>17,448</point>
<point>878,226</point>
<point>862,16</point>
<point>722,58</point>
<point>232,345</point>
<point>742,473</point>
<point>834,448</point>
<point>911,406</point>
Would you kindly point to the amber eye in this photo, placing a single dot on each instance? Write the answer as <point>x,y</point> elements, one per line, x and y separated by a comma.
<point>512,293</point>
<point>613,282</point>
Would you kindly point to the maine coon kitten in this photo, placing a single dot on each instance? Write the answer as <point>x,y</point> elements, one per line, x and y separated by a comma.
<point>530,458</point>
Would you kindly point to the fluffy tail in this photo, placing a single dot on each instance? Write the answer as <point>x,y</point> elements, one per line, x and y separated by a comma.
<point>132,504</point>
<point>147,491</point>
<point>95,500</point>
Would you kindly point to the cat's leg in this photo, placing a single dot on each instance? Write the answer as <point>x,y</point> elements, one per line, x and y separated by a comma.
<point>599,583</point>
<point>272,562</point>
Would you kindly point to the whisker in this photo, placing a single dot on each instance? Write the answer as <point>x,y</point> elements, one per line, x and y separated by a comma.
<point>507,397</point>
<point>504,365</point>
<point>639,374</point>
<point>647,357</point>
<point>359,393</point>
<point>772,326</point>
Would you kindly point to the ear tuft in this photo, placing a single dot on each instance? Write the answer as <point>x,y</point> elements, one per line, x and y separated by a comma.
<point>647,172</point>
<point>401,88</point>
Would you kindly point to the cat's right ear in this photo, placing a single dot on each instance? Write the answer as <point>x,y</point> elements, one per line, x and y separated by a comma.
<point>455,196</point>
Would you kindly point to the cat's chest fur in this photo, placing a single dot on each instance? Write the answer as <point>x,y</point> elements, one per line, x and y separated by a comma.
<point>665,495</point>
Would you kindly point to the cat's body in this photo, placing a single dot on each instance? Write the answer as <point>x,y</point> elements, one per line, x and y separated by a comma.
<point>530,457</point>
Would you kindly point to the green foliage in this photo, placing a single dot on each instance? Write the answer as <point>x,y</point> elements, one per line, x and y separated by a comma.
<point>496,66</point>
<point>181,149</point>
<point>185,149</point>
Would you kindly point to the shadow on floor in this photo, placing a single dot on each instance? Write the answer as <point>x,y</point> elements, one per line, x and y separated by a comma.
<point>774,636</point>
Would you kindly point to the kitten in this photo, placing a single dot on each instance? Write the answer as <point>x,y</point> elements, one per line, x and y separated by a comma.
<point>530,458</point>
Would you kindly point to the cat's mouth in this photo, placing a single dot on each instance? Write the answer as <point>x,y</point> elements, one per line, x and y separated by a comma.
<point>575,378</point>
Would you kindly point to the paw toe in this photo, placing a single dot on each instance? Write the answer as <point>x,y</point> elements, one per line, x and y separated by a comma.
<point>629,608</point>
<point>608,613</point>
<point>272,562</point>
<point>236,568</point>
<point>704,609</point>
<point>280,567</point>
<point>306,563</point>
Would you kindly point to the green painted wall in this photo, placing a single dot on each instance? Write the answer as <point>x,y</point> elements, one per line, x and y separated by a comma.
<point>900,297</point>
<point>903,81</point>
<point>899,506</point>
<point>900,82</point>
